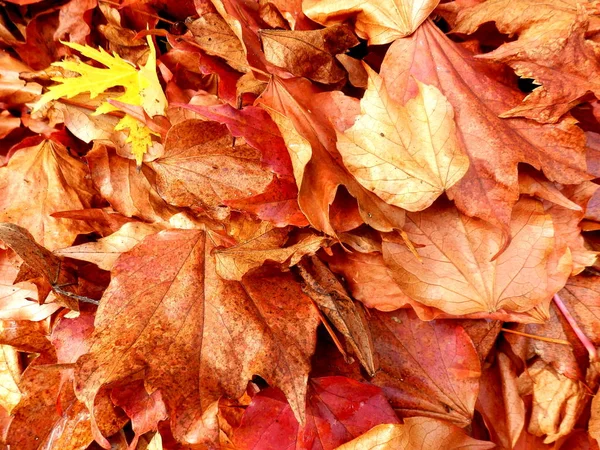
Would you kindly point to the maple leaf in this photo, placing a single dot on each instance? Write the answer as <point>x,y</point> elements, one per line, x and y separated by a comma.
<point>337,409</point>
<point>495,146</point>
<point>381,22</point>
<point>562,61</point>
<point>200,168</point>
<point>518,280</point>
<point>190,356</point>
<point>42,178</point>
<point>406,155</point>
<point>141,88</point>
<point>309,54</point>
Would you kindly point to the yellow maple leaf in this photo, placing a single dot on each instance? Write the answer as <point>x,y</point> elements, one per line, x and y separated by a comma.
<point>142,88</point>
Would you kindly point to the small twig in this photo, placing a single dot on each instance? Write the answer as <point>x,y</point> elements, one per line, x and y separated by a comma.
<point>539,338</point>
<point>589,345</point>
<point>81,298</point>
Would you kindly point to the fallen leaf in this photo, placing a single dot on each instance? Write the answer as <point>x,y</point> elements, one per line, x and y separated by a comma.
<point>309,54</point>
<point>407,155</point>
<point>193,344</point>
<point>145,410</point>
<point>212,33</point>
<point>304,116</point>
<point>337,410</point>
<point>234,262</point>
<point>19,301</point>
<point>39,180</point>
<point>201,168</point>
<point>416,432</point>
<point>499,402</point>
<point>425,368</point>
<point>381,22</point>
<point>478,92</point>
<point>347,317</point>
<point>557,401</point>
<point>74,20</point>
<point>551,49</point>
<point>10,375</point>
<point>128,190</point>
<point>105,252</point>
<point>454,247</point>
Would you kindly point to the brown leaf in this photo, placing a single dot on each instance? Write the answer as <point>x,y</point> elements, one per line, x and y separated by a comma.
<point>128,190</point>
<point>456,273</point>
<point>105,252</point>
<point>19,301</point>
<point>557,401</point>
<point>201,168</point>
<point>478,92</point>
<point>212,33</point>
<point>198,336</point>
<point>38,181</point>
<point>499,402</point>
<point>417,432</point>
<point>347,317</point>
<point>406,154</point>
<point>370,281</point>
<point>304,117</point>
<point>40,263</point>
<point>381,22</point>
<point>309,54</point>
<point>234,262</point>
<point>425,368</point>
<point>551,49</point>
<point>74,19</point>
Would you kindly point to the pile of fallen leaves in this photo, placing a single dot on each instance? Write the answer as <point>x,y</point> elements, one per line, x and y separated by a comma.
<point>287,224</point>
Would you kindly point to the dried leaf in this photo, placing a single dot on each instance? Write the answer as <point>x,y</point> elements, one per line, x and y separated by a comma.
<point>457,248</point>
<point>39,180</point>
<point>381,22</point>
<point>416,432</point>
<point>309,54</point>
<point>478,92</point>
<point>201,168</point>
<point>407,155</point>
<point>179,334</point>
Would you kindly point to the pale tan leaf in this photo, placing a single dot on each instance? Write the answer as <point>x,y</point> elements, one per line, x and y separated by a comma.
<point>406,154</point>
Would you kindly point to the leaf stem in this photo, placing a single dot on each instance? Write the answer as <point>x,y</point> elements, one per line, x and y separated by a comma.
<point>539,338</point>
<point>589,345</point>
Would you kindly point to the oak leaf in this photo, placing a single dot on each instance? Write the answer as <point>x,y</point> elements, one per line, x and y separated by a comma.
<point>406,154</point>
